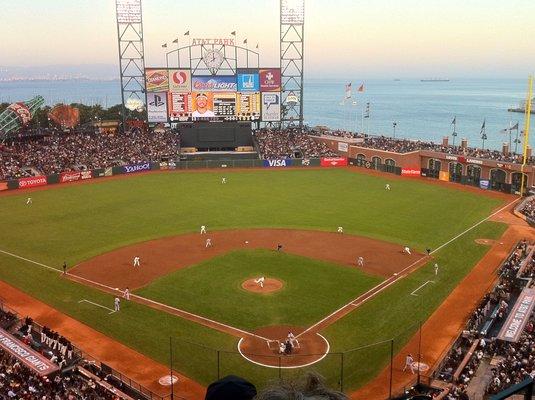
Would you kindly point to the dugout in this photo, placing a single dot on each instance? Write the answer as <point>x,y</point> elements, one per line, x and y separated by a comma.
<point>216,136</point>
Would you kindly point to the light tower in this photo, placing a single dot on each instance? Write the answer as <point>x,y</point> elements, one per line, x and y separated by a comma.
<point>131,55</point>
<point>292,30</point>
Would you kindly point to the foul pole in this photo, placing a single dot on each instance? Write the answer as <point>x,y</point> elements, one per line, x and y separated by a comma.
<point>527,118</point>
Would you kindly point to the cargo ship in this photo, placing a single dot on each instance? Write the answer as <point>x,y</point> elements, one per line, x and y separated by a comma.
<point>435,80</point>
<point>522,107</point>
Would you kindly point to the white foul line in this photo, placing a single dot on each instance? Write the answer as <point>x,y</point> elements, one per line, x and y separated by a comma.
<point>413,293</point>
<point>30,261</point>
<point>98,305</point>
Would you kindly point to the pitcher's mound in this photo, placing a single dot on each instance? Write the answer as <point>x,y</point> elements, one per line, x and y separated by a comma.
<point>270,285</point>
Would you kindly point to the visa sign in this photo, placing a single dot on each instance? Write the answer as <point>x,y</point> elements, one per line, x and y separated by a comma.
<point>278,163</point>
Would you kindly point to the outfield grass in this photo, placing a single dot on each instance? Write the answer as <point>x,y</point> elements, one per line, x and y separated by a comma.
<point>77,222</point>
<point>312,289</point>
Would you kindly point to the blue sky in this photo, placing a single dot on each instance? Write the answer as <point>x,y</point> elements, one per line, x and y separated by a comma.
<point>383,38</point>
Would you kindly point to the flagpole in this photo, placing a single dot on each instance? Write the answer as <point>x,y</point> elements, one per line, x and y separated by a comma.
<point>510,143</point>
<point>526,132</point>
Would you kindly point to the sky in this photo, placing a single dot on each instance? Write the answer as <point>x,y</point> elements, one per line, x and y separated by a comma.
<point>372,39</point>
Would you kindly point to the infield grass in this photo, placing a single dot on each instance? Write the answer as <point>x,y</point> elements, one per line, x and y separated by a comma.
<point>76,222</point>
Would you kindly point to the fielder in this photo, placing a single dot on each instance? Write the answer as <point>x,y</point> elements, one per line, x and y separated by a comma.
<point>203,230</point>
<point>137,261</point>
<point>260,281</point>
<point>223,180</point>
<point>436,269</point>
<point>126,294</point>
<point>408,363</point>
<point>29,201</point>
<point>117,304</point>
<point>340,229</point>
<point>360,262</point>
<point>387,186</point>
<point>208,243</point>
<point>407,250</point>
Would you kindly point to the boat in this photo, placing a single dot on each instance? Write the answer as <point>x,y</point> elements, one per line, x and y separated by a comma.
<point>522,107</point>
<point>435,80</point>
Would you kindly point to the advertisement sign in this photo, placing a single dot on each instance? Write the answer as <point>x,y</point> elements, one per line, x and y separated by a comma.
<point>410,171</point>
<point>271,107</point>
<point>343,147</point>
<point>180,80</point>
<point>333,161</point>
<point>29,357</point>
<point>180,106</point>
<point>249,82</point>
<point>278,163</point>
<point>484,184</point>
<point>202,105</point>
<point>225,104</point>
<point>444,176</point>
<point>157,107</point>
<point>128,11</point>
<point>519,316</point>
<point>75,176</point>
<point>23,112</point>
<point>3,186</point>
<point>270,80</point>
<point>248,105</point>
<point>32,182</point>
<point>213,84</point>
<point>156,80</point>
<point>128,169</point>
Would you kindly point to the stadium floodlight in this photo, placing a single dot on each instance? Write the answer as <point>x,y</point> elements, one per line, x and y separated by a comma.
<point>292,34</point>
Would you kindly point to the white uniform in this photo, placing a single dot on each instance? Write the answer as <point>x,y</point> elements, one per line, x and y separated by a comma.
<point>387,186</point>
<point>117,304</point>
<point>29,200</point>
<point>203,229</point>
<point>136,261</point>
<point>223,180</point>
<point>340,229</point>
<point>360,262</point>
<point>260,281</point>
<point>408,363</point>
<point>436,269</point>
<point>126,294</point>
<point>208,243</point>
<point>293,341</point>
<point>407,250</point>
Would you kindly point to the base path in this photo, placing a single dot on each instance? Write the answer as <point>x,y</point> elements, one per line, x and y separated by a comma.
<point>446,323</point>
<point>121,358</point>
<point>162,256</point>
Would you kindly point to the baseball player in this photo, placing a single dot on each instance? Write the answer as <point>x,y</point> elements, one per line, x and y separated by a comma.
<point>408,363</point>
<point>387,186</point>
<point>436,269</point>
<point>126,294</point>
<point>360,262</point>
<point>293,341</point>
<point>223,180</point>
<point>29,201</point>
<point>117,304</point>
<point>260,281</point>
<point>64,267</point>
<point>137,261</point>
<point>203,230</point>
<point>340,229</point>
<point>407,250</point>
<point>208,243</point>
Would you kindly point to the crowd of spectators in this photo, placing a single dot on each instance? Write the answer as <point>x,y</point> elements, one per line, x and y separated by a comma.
<point>528,209</point>
<point>286,143</point>
<point>518,358</point>
<point>76,151</point>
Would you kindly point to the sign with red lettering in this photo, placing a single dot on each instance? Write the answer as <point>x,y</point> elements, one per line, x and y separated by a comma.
<point>410,171</point>
<point>32,182</point>
<point>333,162</point>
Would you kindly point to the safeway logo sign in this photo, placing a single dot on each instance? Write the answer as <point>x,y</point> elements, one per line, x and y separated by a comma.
<point>334,162</point>
<point>410,172</point>
<point>278,163</point>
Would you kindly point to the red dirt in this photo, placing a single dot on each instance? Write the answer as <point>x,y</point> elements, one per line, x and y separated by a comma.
<point>312,347</point>
<point>128,362</point>
<point>162,256</point>
<point>446,323</point>
<point>270,285</point>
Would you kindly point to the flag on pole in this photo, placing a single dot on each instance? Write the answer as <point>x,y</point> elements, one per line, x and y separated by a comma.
<point>367,112</point>
<point>164,45</point>
<point>233,33</point>
<point>245,41</point>
<point>361,88</point>
<point>257,45</point>
<point>514,127</point>
<point>175,41</point>
<point>348,91</point>
<point>186,34</point>
<point>454,121</point>
<point>482,131</point>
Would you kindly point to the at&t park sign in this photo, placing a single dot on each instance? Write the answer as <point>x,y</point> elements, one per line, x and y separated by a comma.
<point>213,41</point>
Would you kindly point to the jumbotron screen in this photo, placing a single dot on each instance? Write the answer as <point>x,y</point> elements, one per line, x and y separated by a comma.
<point>175,95</point>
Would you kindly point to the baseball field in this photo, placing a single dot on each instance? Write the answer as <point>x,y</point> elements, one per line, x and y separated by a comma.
<point>205,298</point>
